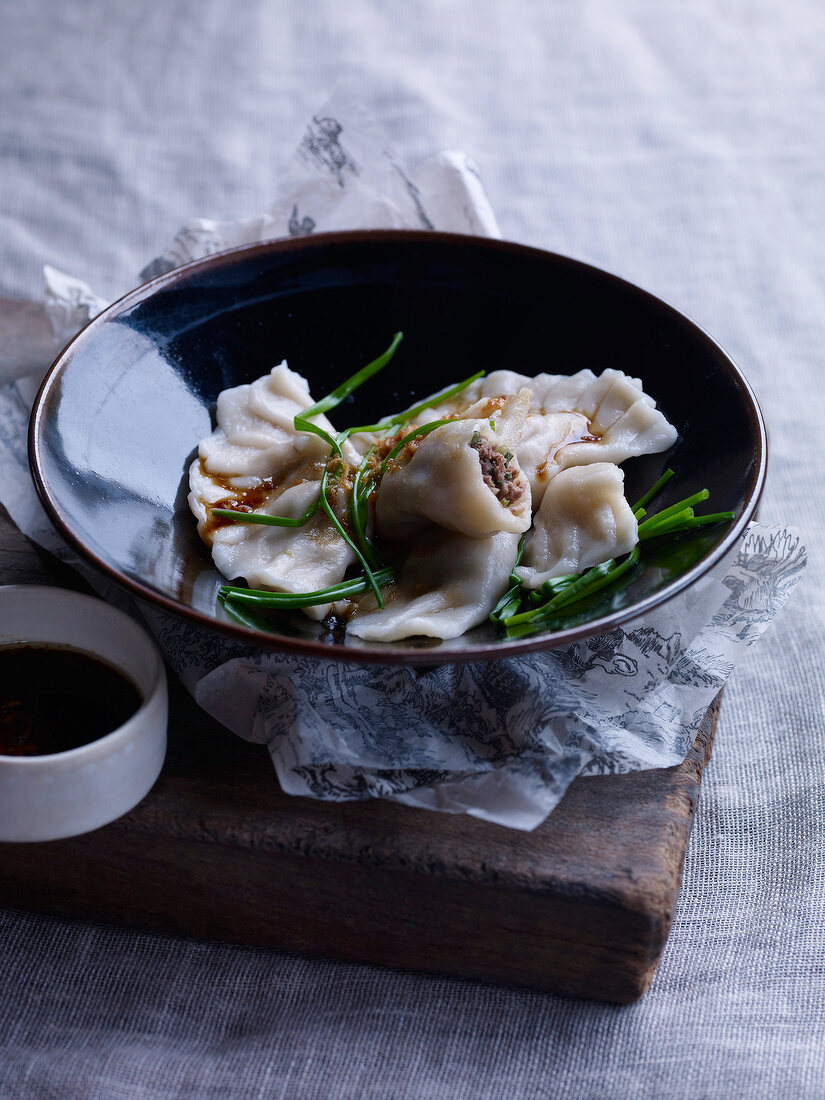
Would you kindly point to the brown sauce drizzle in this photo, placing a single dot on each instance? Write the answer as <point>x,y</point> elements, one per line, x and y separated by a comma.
<point>575,436</point>
<point>494,405</point>
<point>252,499</point>
<point>405,454</point>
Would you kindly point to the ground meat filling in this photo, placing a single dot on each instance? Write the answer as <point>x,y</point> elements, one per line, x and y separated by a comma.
<point>496,472</point>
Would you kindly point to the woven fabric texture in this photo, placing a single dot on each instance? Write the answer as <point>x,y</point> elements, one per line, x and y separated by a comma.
<point>681,146</point>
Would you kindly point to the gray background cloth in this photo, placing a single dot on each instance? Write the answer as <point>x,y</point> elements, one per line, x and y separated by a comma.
<point>681,146</point>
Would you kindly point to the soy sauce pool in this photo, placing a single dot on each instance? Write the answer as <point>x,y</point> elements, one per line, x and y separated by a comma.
<point>53,699</point>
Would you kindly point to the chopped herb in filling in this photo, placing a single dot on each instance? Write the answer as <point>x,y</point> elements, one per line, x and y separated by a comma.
<point>496,472</point>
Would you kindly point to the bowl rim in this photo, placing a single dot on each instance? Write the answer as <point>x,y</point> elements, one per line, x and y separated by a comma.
<point>120,735</point>
<point>391,653</point>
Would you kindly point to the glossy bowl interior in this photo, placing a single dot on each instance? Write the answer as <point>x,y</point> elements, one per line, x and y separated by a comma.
<point>118,419</point>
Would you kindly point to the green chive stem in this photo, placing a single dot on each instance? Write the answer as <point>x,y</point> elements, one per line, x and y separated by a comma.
<point>511,600</point>
<point>267,520</point>
<point>336,523</point>
<point>433,400</point>
<point>689,523</point>
<point>400,445</point>
<point>653,490</point>
<point>674,509</point>
<point>340,393</point>
<point>358,514</point>
<point>264,598</point>
<point>585,585</point>
<point>669,523</point>
<point>398,419</point>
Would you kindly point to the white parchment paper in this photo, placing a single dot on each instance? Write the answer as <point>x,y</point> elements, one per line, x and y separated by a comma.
<point>499,740</point>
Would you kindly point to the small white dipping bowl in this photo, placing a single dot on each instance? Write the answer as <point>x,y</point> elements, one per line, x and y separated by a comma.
<point>63,794</point>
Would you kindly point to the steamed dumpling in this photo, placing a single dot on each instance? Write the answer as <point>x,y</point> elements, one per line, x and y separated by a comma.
<point>577,419</point>
<point>546,437</point>
<point>256,459</point>
<point>255,445</point>
<point>447,585</point>
<point>463,476</point>
<point>583,520</point>
<point>285,559</point>
<point>623,419</point>
<point>255,434</point>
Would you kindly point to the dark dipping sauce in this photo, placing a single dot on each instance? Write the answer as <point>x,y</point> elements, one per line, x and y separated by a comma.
<point>53,699</point>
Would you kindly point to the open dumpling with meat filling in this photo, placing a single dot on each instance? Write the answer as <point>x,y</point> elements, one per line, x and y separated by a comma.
<point>463,476</point>
<point>577,419</point>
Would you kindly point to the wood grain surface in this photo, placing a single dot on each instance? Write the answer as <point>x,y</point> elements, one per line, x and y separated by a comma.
<point>581,906</point>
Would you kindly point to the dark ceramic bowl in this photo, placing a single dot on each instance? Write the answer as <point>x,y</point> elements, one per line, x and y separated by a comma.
<point>118,419</point>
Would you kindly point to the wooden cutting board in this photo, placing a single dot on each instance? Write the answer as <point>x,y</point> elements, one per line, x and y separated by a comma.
<point>581,906</point>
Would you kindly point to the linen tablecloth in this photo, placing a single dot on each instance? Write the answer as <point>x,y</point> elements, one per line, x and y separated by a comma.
<point>681,146</point>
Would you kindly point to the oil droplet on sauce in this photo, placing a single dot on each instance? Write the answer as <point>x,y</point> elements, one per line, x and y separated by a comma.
<point>53,699</point>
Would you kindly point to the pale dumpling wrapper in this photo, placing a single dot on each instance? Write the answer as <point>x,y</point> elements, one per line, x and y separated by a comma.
<point>584,519</point>
<point>255,444</point>
<point>577,419</point>
<point>255,434</point>
<point>285,559</point>
<point>443,482</point>
<point>448,584</point>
